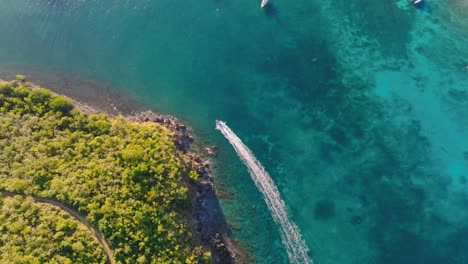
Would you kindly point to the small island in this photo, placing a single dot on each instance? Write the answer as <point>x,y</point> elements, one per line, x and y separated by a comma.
<point>100,188</point>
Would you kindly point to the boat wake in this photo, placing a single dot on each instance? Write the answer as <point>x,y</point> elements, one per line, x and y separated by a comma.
<point>296,248</point>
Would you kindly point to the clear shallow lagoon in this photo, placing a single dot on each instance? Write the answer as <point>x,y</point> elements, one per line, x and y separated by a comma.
<point>357,110</point>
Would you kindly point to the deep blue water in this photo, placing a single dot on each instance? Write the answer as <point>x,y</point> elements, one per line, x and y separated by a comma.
<point>358,109</point>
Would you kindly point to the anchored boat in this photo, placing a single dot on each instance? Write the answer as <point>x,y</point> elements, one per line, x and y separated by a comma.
<point>264,2</point>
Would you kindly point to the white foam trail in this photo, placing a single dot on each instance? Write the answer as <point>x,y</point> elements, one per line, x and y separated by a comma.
<point>296,248</point>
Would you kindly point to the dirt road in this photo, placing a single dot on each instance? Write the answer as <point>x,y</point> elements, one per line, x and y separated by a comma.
<point>96,233</point>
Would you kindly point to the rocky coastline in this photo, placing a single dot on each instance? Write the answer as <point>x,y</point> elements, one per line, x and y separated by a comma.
<point>209,225</point>
<point>208,222</point>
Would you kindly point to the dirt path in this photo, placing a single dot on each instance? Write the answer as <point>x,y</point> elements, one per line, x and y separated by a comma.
<point>96,233</point>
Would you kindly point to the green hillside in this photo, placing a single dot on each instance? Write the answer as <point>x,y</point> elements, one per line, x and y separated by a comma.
<point>41,233</point>
<point>123,176</point>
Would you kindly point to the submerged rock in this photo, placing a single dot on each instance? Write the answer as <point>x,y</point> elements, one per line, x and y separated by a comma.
<point>356,220</point>
<point>324,210</point>
<point>211,151</point>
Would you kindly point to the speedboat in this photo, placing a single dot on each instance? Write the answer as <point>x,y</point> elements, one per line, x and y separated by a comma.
<point>220,124</point>
<point>417,1</point>
<point>264,2</point>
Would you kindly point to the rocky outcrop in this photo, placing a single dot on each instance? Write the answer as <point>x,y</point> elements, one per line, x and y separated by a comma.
<point>181,136</point>
<point>211,151</point>
<point>210,226</point>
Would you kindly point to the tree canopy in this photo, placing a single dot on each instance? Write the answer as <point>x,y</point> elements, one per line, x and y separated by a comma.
<point>125,177</point>
<point>41,233</point>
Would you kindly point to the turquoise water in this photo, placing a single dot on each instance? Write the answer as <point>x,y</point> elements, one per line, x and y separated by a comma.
<point>357,109</point>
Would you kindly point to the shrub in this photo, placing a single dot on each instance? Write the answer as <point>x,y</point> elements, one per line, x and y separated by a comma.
<point>20,77</point>
<point>193,175</point>
<point>60,104</point>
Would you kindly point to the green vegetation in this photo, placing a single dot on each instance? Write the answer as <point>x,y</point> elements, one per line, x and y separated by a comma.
<point>124,177</point>
<point>42,233</point>
<point>20,77</point>
<point>193,175</point>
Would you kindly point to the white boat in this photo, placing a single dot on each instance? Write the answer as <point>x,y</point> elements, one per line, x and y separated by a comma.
<point>220,124</point>
<point>264,2</point>
<point>417,1</point>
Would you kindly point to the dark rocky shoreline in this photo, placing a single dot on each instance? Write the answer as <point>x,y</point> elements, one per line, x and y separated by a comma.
<point>209,223</point>
<point>210,226</point>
